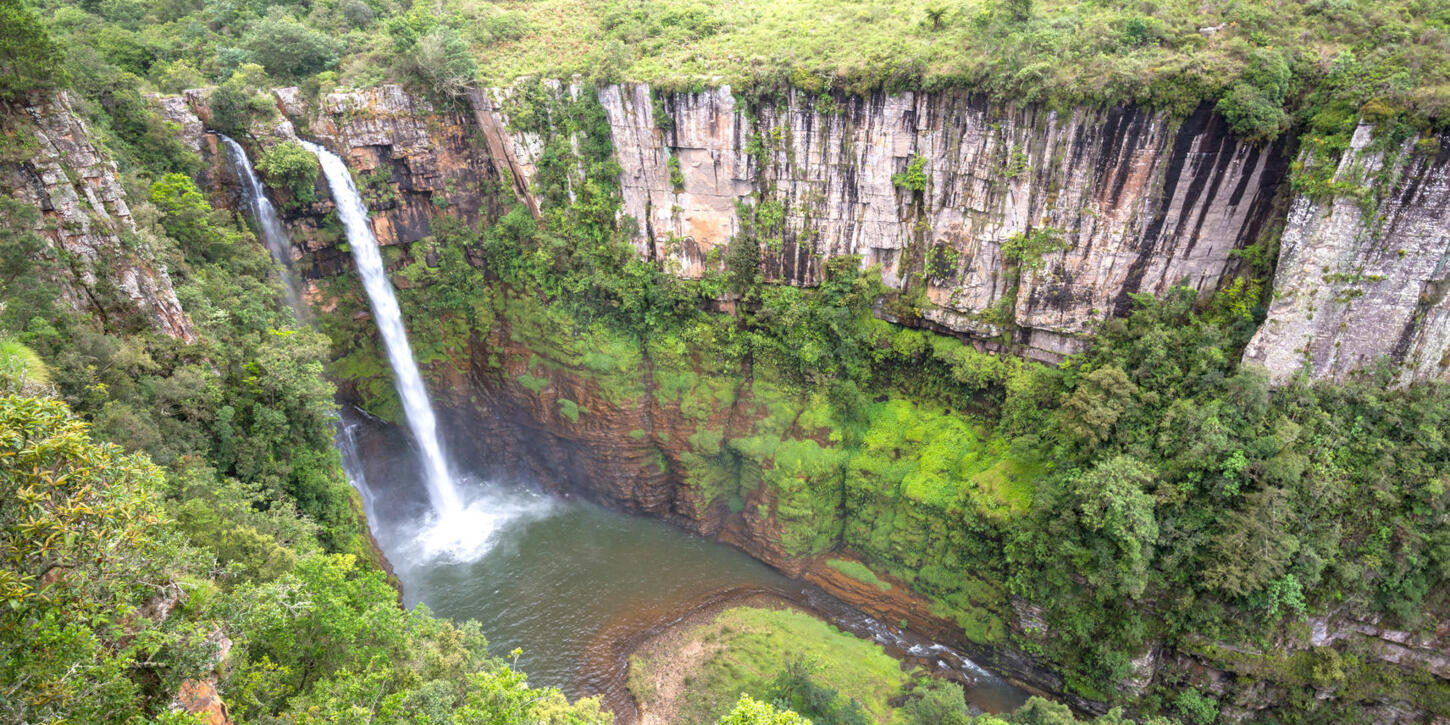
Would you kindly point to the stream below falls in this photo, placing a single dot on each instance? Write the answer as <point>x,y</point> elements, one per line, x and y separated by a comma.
<point>576,586</point>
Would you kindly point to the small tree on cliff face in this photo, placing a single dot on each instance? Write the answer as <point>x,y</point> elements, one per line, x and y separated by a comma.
<point>293,168</point>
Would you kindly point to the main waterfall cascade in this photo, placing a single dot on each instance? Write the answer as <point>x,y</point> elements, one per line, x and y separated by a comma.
<point>269,225</point>
<point>457,529</point>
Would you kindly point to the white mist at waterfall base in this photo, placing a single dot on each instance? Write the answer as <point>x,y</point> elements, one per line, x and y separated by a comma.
<point>456,529</point>
<point>465,536</point>
<point>264,215</point>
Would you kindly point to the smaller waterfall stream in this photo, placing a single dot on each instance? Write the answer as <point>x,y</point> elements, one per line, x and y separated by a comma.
<point>264,215</point>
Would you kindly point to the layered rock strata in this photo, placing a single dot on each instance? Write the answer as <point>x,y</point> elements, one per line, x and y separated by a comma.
<point>99,259</point>
<point>1024,226</point>
<point>937,188</point>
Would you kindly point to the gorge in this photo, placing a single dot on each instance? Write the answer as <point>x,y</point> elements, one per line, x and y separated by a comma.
<point>575,361</point>
<point>570,419</point>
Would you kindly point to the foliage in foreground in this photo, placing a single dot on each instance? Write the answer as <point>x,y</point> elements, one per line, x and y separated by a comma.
<point>106,608</point>
<point>200,501</point>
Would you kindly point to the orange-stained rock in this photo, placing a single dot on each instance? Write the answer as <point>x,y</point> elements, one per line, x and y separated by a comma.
<point>199,697</point>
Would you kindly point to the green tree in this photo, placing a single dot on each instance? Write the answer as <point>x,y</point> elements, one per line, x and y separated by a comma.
<point>288,49</point>
<point>1019,11</point>
<point>241,100</point>
<point>938,702</point>
<point>442,63</point>
<point>85,572</point>
<point>291,167</point>
<point>750,711</point>
<point>29,59</point>
<point>1254,106</point>
<point>1092,410</point>
<point>1111,502</point>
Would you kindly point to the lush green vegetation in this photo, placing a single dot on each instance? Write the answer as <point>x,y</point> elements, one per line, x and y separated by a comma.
<point>858,571</point>
<point>160,497</point>
<point>1150,490</point>
<point>120,580</point>
<point>1264,67</point>
<point>779,666</point>
<point>790,658</point>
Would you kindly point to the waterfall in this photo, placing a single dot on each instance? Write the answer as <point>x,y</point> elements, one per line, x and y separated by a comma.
<point>442,492</point>
<point>352,465</point>
<point>264,216</point>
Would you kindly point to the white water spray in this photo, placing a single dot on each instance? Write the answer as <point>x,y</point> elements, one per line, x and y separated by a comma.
<point>269,226</point>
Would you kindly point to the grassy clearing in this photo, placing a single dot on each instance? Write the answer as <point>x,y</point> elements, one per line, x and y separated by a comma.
<point>752,645</point>
<point>858,571</point>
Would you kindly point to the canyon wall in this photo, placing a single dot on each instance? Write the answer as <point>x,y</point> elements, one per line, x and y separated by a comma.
<point>1090,206</point>
<point>1130,200</point>
<point>93,248</point>
<point>719,452</point>
<point>1140,204</point>
<point>1364,269</point>
<point>1116,201</point>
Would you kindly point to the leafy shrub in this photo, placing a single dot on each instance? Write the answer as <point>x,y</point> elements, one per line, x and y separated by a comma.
<point>677,176</point>
<point>750,711</point>
<point>293,168</point>
<point>288,49</point>
<point>914,178</point>
<point>1199,709</point>
<point>938,702</point>
<point>1254,106</point>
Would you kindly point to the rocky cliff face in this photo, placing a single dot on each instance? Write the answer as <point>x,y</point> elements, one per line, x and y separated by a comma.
<point>102,264</point>
<point>1117,201</point>
<point>1114,201</point>
<point>1025,228</point>
<point>636,443</point>
<point>413,162</point>
<point>1140,203</point>
<point>1362,281</point>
